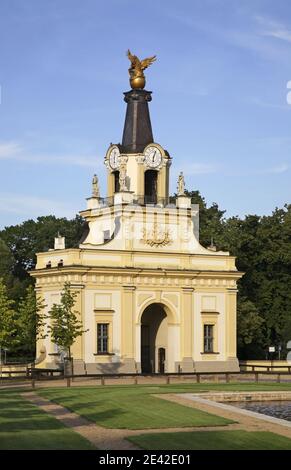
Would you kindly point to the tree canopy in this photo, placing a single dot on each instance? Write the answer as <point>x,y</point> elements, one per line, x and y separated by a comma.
<point>21,243</point>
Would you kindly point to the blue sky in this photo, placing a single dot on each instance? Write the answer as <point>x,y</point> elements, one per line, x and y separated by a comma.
<point>219,98</point>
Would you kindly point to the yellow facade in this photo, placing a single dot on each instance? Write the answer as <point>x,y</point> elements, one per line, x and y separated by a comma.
<point>148,292</point>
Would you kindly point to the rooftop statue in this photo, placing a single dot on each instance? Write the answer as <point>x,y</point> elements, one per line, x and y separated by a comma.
<point>137,78</point>
<point>95,187</point>
<point>181,185</point>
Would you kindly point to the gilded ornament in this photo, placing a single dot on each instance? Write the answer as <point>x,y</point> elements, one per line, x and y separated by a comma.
<point>156,237</point>
<point>137,78</point>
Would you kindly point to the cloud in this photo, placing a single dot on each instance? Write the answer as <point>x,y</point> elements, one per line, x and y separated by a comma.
<point>251,36</point>
<point>34,206</point>
<point>197,168</point>
<point>9,149</point>
<point>14,151</point>
<point>266,104</point>
<point>273,29</point>
<point>281,168</point>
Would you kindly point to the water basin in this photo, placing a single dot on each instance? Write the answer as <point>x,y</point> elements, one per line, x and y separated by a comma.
<point>277,409</point>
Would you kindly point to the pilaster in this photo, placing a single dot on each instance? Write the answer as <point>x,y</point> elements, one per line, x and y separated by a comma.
<point>187,329</point>
<point>230,337</point>
<point>77,349</point>
<point>127,322</point>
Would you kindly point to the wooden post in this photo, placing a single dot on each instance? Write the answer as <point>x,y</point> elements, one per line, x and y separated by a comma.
<point>135,380</point>
<point>257,377</point>
<point>102,380</point>
<point>68,382</point>
<point>227,378</point>
<point>33,383</point>
<point>278,378</point>
<point>167,379</point>
<point>198,378</point>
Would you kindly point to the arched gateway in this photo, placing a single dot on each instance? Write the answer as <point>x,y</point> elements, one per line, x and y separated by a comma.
<point>154,339</point>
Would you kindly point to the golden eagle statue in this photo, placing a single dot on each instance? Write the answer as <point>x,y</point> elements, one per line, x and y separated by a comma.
<point>137,78</point>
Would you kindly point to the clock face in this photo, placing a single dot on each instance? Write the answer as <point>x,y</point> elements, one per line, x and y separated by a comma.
<point>114,158</point>
<point>153,156</point>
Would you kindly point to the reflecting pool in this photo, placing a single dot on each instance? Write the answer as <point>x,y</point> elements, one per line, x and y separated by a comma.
<point>277,409</point>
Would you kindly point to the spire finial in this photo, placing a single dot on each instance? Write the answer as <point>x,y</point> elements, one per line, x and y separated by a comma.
<point>137,78</point>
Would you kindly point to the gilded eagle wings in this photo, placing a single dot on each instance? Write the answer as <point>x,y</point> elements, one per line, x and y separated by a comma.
<point>147,62</point>
<point>142,64</point>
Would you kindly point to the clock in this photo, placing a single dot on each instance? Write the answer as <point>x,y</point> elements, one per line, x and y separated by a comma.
<point>153,156</point>
<point>114,157</point>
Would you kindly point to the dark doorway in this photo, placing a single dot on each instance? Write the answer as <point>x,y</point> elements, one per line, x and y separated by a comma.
<point>150,185</point>
<point>161,359</point>
<point>145,349</point>
<point>154,339</point>
<point>116,181</point>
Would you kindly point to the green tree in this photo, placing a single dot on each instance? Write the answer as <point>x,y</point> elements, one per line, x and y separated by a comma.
<point>64,326</point>
<point>31,237</point>
<point>250,327</point>
<point>8,321</point>
<point>262,248</point>
<point>6,260</point>
<point>210,219</point>
<point>31,320</point>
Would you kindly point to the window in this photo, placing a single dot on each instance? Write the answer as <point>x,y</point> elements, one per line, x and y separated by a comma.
<point>116,181</point>
<point>102,338</point>
<point>208,338</point>
<point>150,183</point>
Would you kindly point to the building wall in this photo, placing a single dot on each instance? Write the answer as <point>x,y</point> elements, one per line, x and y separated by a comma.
<point>120,300</point>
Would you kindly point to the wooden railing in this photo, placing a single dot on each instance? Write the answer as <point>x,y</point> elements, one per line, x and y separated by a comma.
<point>38,375</point>
<point>264,367</point>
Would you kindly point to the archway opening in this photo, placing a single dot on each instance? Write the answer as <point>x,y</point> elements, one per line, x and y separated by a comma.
<point>154,339</point>
<point>116,181</point>
<point>150,185</point>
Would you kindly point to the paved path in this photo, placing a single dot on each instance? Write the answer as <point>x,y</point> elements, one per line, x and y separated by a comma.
<point>100,437</point>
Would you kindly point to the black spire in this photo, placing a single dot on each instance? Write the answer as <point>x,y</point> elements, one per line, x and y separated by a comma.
<point>137,132</point>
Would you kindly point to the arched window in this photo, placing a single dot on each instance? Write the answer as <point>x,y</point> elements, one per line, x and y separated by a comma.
<point>150,185</point>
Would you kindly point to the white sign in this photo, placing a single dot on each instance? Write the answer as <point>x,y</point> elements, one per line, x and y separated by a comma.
<point>272,349</point>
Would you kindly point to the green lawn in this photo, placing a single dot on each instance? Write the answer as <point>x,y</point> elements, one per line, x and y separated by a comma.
<point>212,440</point>
<point>24,426</point>
<point>135,407</point>
<point>131,407</point>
